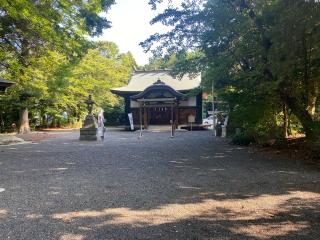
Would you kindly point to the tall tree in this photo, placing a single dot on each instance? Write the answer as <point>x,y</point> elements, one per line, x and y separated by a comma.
<point>58,87</point>
<point>259,51</point>
<point>102,68</point>
<point>28,29</point>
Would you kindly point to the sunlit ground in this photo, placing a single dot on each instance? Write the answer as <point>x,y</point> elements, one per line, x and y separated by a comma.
<point>264,208</point>
<point>154,188</point>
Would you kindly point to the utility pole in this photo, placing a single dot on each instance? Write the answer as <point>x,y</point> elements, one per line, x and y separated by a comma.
<point>213,109</point>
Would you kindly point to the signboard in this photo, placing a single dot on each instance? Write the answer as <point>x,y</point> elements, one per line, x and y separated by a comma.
<point>191,119</point>
<point>131,121</point>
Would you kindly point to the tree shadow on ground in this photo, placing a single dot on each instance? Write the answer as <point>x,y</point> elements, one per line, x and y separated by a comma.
<point>294,218</point>
<point>183,189</point>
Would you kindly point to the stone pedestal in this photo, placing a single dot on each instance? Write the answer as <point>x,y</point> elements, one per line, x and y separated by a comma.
<point>88,132</point>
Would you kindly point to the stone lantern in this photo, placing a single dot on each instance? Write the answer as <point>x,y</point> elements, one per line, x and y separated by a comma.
<point>88,132</point>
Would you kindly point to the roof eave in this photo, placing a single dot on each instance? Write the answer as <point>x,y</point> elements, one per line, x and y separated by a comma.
<point>123,92</point>
<point>126,92</point>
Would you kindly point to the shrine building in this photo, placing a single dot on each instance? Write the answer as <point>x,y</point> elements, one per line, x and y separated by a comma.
<point>156,98</point>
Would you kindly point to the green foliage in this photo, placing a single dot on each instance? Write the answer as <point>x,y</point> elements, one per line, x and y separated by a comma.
<point>39,42</point>
<point>30,27</point>
<point>161,62</point>
<point>101,69</point>
<point>57,87</point>
<point>243,139</point>
<point>260,54</point>
<point>115,116</point>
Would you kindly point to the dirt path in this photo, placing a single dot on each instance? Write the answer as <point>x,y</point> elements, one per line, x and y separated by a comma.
<point>189,187</point>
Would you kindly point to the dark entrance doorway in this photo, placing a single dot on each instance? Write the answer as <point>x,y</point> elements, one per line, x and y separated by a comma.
<point>159,115</point>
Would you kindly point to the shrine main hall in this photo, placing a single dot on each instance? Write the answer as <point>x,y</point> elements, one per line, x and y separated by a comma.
<point>154,97</point>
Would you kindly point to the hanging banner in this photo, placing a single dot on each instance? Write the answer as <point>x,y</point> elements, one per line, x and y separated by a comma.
<point>131,121</point>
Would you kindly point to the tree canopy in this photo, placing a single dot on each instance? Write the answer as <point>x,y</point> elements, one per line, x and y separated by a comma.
<point>46,51</point>
<point>262,55</point>
<point>39,39</point>
<point>29,27</point>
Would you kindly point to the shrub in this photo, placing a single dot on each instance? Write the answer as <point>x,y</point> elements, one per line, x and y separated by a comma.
<point>243,139</point>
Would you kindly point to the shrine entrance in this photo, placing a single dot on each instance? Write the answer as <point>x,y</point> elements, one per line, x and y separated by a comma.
<point>158,105</point>
<point>159,115</point>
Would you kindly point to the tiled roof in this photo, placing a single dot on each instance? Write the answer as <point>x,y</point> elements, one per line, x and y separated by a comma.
<point>140,80</point>
<point>5,81</point>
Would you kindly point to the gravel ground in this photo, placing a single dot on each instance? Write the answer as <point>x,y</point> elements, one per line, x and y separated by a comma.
<point>39,136</point>
<point>9,139</point>
<point>190,187</point>
<point>13,139</point>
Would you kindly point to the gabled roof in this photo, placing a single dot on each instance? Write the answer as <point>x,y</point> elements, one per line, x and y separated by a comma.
<point>140,80</point>
<point>157,88</point>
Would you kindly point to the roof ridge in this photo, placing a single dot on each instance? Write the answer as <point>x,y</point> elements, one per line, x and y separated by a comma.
<point>152,70</point>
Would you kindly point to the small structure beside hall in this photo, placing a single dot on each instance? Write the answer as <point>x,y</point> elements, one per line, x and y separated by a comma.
<point>154,97</point>
<point>4,84</point>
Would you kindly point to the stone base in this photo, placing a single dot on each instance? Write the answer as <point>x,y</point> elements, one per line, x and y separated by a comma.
<point>88,134</point>
<point>128,128</point>
<point>90,122</point>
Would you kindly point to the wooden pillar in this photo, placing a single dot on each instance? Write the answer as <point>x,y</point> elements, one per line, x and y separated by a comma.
<point>127,110</point>
<point>145,116</point>
<point>148,113</point>
<point>177,115</point>
<point>140,118</point>
<point>172,120</point>
<point>199,108</point>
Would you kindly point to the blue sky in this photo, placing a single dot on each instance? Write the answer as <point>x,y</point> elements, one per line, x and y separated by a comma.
<point>131,25</point>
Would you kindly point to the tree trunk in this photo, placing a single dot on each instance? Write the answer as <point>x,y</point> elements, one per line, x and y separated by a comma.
<point>312,100</point>
<point>289,122</point>
<point>285,121</point>
<point>24,121</point>
<point>1,122</point>
<point>310,127</point>
<point>311,84</point>
<point>43,121</point>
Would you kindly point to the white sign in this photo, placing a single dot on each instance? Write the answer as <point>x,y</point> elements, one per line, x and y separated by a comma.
<point>131,121</point>
<point>191,119</point>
